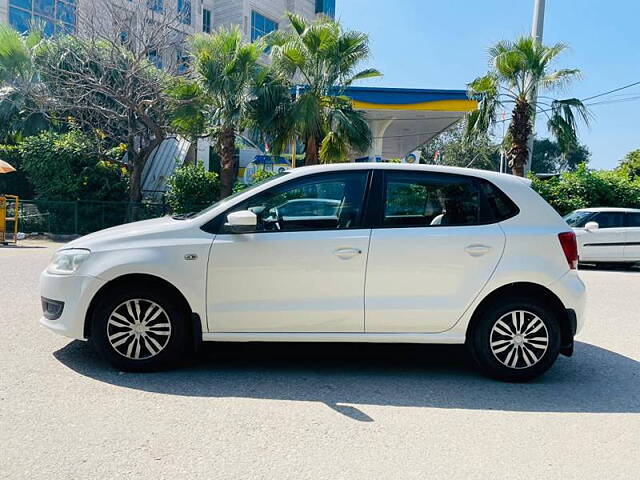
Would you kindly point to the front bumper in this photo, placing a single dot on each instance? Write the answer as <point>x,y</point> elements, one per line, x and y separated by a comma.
<point>76,292</point>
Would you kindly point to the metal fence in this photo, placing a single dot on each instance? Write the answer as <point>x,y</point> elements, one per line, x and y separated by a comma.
<point>84,216</point>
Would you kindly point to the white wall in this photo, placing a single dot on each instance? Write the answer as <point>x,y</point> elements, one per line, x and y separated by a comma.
<point>4,11</point>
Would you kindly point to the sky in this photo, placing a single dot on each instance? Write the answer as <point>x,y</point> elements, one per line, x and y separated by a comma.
<point>443,44</point>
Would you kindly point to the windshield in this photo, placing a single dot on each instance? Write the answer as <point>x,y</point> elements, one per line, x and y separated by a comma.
<point>577,218</point>
<point>231,197</point>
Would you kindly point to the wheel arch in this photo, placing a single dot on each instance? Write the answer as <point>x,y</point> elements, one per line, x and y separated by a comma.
<point>133,279</point>
<point>533,291</point>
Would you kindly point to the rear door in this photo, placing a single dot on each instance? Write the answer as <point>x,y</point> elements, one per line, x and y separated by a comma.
<point>632,243</point>
<point>431,251</point>
<point>606,243</point>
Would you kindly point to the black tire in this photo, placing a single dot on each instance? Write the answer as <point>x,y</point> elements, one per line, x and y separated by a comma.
<point>171,311</point>
<point>500,365</point>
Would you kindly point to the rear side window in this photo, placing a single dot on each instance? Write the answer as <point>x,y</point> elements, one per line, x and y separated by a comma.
<point>633,219</point>
<point>413,199</point>
<point>499,205</point>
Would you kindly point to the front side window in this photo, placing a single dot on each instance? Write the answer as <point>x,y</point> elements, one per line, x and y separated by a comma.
<point>578,218</point>
<point>423,200</point>
<point>261,25</point>
<point>608,219</point>
<point>320,202</point>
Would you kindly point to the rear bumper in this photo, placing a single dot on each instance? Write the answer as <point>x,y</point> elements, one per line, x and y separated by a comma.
<point>73,293</point>
<point>571,291</point>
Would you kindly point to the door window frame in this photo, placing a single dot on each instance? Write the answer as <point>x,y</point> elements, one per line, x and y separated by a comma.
<point>216,225</point>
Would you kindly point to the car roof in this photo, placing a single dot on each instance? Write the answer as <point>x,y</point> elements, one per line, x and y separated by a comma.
<point>487,174</point>
<point>609,209</point>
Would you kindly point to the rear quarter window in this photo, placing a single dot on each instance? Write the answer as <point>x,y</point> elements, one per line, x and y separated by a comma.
<point>499,206</point>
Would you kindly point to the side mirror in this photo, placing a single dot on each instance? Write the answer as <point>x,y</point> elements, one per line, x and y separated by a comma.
<point>592,226</point>
<point>242,221</point>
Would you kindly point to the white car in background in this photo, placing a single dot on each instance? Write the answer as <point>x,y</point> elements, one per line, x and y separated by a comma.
<point>496,271</point>
<point>607,235</point>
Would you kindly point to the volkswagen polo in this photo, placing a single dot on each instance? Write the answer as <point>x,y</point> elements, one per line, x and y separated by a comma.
<point>410,254</point>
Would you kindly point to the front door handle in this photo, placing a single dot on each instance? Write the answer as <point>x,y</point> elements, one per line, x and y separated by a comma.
<point>477,250</point>
<point>346,253</point>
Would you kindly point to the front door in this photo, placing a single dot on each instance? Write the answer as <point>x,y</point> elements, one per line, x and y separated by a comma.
<point>431,254</point>
<point>607,241</point>
<point>303,269</point>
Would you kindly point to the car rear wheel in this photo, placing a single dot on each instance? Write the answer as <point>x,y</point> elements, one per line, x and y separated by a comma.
<point>515,340</point>
<point>140,330</point>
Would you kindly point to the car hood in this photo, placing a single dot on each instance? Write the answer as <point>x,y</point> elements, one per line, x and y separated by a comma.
<point>122,234</point>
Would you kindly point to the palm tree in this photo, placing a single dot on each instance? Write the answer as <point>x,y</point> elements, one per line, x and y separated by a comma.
<point>518,71</point>
<point>226,68</point>
<point>324,58</point>
<point>18,79</point>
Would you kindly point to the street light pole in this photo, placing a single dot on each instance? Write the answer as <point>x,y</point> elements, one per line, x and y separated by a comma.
<point>537,29</point>
<point>538,20</point>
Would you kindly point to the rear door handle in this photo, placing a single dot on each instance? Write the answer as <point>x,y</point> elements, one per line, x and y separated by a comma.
<point>477,250</point>
<point>346,253</point>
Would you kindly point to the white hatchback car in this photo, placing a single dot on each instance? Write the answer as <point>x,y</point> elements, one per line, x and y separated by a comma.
<point>607,235</point>
<point>415,254</point>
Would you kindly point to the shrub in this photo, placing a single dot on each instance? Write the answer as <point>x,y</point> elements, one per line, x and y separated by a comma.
<point>589,188</point>
<point>192,188</point>
<point>67,166</point>
<point>15,183</point>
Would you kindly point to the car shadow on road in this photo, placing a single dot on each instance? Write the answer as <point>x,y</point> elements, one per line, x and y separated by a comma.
<point>343,376</point>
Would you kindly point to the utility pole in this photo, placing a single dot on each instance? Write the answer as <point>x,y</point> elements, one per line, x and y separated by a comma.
<point>537,29</point>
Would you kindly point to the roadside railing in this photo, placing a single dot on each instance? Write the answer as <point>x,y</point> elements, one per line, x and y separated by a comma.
<point>85,216</point>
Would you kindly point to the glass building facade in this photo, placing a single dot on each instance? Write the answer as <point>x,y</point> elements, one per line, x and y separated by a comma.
<point>326,7</point>
<point>53,15</point>
<point>261,25</point>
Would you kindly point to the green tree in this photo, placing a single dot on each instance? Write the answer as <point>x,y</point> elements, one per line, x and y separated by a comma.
<point>103,86</point>
<point>630,165</point>
<point>192,188</point>
<point>225,69</point>
<point>451,148</point>
<point>548,157</point>
<point>325,58</point>
<point>519,69</point>
<point>18,81</point>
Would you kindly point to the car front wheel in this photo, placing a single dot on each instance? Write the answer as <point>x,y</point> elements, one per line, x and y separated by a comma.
<point>515,340</point>
<point>139,330</point>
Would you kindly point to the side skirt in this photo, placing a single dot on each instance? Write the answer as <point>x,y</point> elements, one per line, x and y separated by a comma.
<point>445,337</point>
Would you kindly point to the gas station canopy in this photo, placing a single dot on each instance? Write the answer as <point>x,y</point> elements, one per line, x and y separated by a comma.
<point>402,119</point>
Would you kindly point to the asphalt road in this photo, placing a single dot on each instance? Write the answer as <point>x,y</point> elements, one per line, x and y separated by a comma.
<point>316,412</point>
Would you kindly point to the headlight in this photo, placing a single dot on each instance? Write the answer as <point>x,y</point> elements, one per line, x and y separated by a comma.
<point>66,262</point>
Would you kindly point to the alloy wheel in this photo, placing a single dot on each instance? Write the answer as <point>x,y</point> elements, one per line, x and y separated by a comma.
<point>519,339</point>
<point>138,329</point>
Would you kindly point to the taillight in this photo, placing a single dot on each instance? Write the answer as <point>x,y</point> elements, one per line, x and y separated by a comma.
<point>570,248</point>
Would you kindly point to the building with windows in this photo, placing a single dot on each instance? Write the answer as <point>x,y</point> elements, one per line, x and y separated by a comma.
<point>255,17</point>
